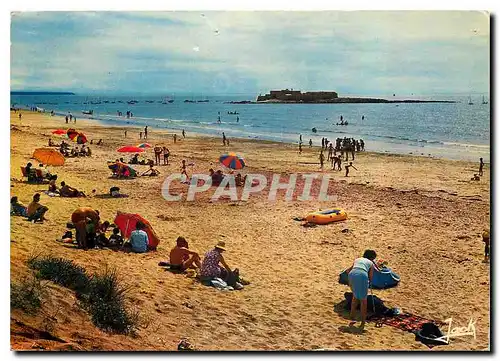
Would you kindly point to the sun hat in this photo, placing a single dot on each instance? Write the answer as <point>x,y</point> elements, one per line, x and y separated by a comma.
<point>221,245</point>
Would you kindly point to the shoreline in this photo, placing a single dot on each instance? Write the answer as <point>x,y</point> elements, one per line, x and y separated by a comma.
<point>411,148</point>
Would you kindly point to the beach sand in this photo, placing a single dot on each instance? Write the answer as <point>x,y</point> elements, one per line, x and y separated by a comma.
<point>423,215</point>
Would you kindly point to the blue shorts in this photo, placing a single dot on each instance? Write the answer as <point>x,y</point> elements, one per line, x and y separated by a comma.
<point>358,281</point>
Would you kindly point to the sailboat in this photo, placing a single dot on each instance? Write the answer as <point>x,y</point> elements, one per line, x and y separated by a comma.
<point>484,101</point>
<point>470,101</point>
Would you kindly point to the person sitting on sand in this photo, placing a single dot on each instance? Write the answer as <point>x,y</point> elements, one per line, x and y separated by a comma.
<point>44,172</point>
<point>181,258</point>
<point>134,159</point>
<point>35,210</point>
<point>151,172</point>
<point>139,238</point>
<point>347,168</point>
<point>100,238</point>
<point>52,184</point>
<point>360,275</point>
<point>115,240</point>
<point>67,191</point>
<point>210,268</point>
<point>79,218</point>
<point>17,208</point>
<point>31,173</point>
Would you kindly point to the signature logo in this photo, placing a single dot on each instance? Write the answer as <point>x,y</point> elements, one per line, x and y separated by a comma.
<point>470,330</point>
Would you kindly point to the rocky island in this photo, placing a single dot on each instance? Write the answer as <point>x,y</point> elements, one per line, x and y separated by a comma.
<point>328,97</point>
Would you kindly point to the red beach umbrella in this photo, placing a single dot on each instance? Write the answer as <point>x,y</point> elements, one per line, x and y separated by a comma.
<point>130,149</point>
<point>59,131</point>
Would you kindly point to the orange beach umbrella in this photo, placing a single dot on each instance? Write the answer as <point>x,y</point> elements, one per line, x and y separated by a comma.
<point>48,156</point>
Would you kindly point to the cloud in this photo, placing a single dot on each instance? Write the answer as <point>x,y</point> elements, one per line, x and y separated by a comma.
<point>250,52</point>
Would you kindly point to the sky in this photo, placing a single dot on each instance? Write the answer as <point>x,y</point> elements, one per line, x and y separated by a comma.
<point>351,52</point>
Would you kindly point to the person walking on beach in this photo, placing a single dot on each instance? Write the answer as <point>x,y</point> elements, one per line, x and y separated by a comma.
<point>360,276</point>
<point>140,135</point>
<point>183,169</point>
<point>70,117</point>
<point>125,134</point>
<point>157,149</point>
<point>486,239</point>
<point>183,133</point>
<point>74,120</point>
<point>300,147</point>
<point>300,138</point>
<point>20,115</point>
<point>175,138</point>
<point>362,144</point>
<point>146,132</point>
<point>321,159</point>
<point>310,143</point>
<point>481,165</point>
<point>66,119</point>
<point>224,138</point>
<point>166,154</point>
<point>347,168</point>
<point>330,152</point>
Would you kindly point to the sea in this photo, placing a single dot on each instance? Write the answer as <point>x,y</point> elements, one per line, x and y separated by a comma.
<point>459,131</point>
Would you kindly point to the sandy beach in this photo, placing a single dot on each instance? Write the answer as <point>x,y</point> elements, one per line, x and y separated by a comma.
<point>423,215</point>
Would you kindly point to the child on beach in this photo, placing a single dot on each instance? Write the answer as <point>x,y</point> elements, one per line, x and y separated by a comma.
<point>115,240</point>
<point>347,168</point>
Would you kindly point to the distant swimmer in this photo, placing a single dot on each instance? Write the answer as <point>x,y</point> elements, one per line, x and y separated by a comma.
<point>363,117</point>
<point>237,119</point>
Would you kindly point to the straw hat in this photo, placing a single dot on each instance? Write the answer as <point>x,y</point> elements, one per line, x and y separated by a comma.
<point>221,245</point>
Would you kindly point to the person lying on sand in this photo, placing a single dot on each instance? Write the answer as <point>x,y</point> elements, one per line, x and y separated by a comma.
<point>151,172</point>
<point>17,208</point>
<point>67,191</point>
<point>36,211</point>
<point>181,258</point>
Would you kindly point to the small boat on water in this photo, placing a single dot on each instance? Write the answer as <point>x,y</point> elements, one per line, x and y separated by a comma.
<point>470,101</point>
<point>87,112</point>
<point>484,101</point>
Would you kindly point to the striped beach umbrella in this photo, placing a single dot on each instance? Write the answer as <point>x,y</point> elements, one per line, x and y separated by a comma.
<point>232,161</point>
<point>144,145</point>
